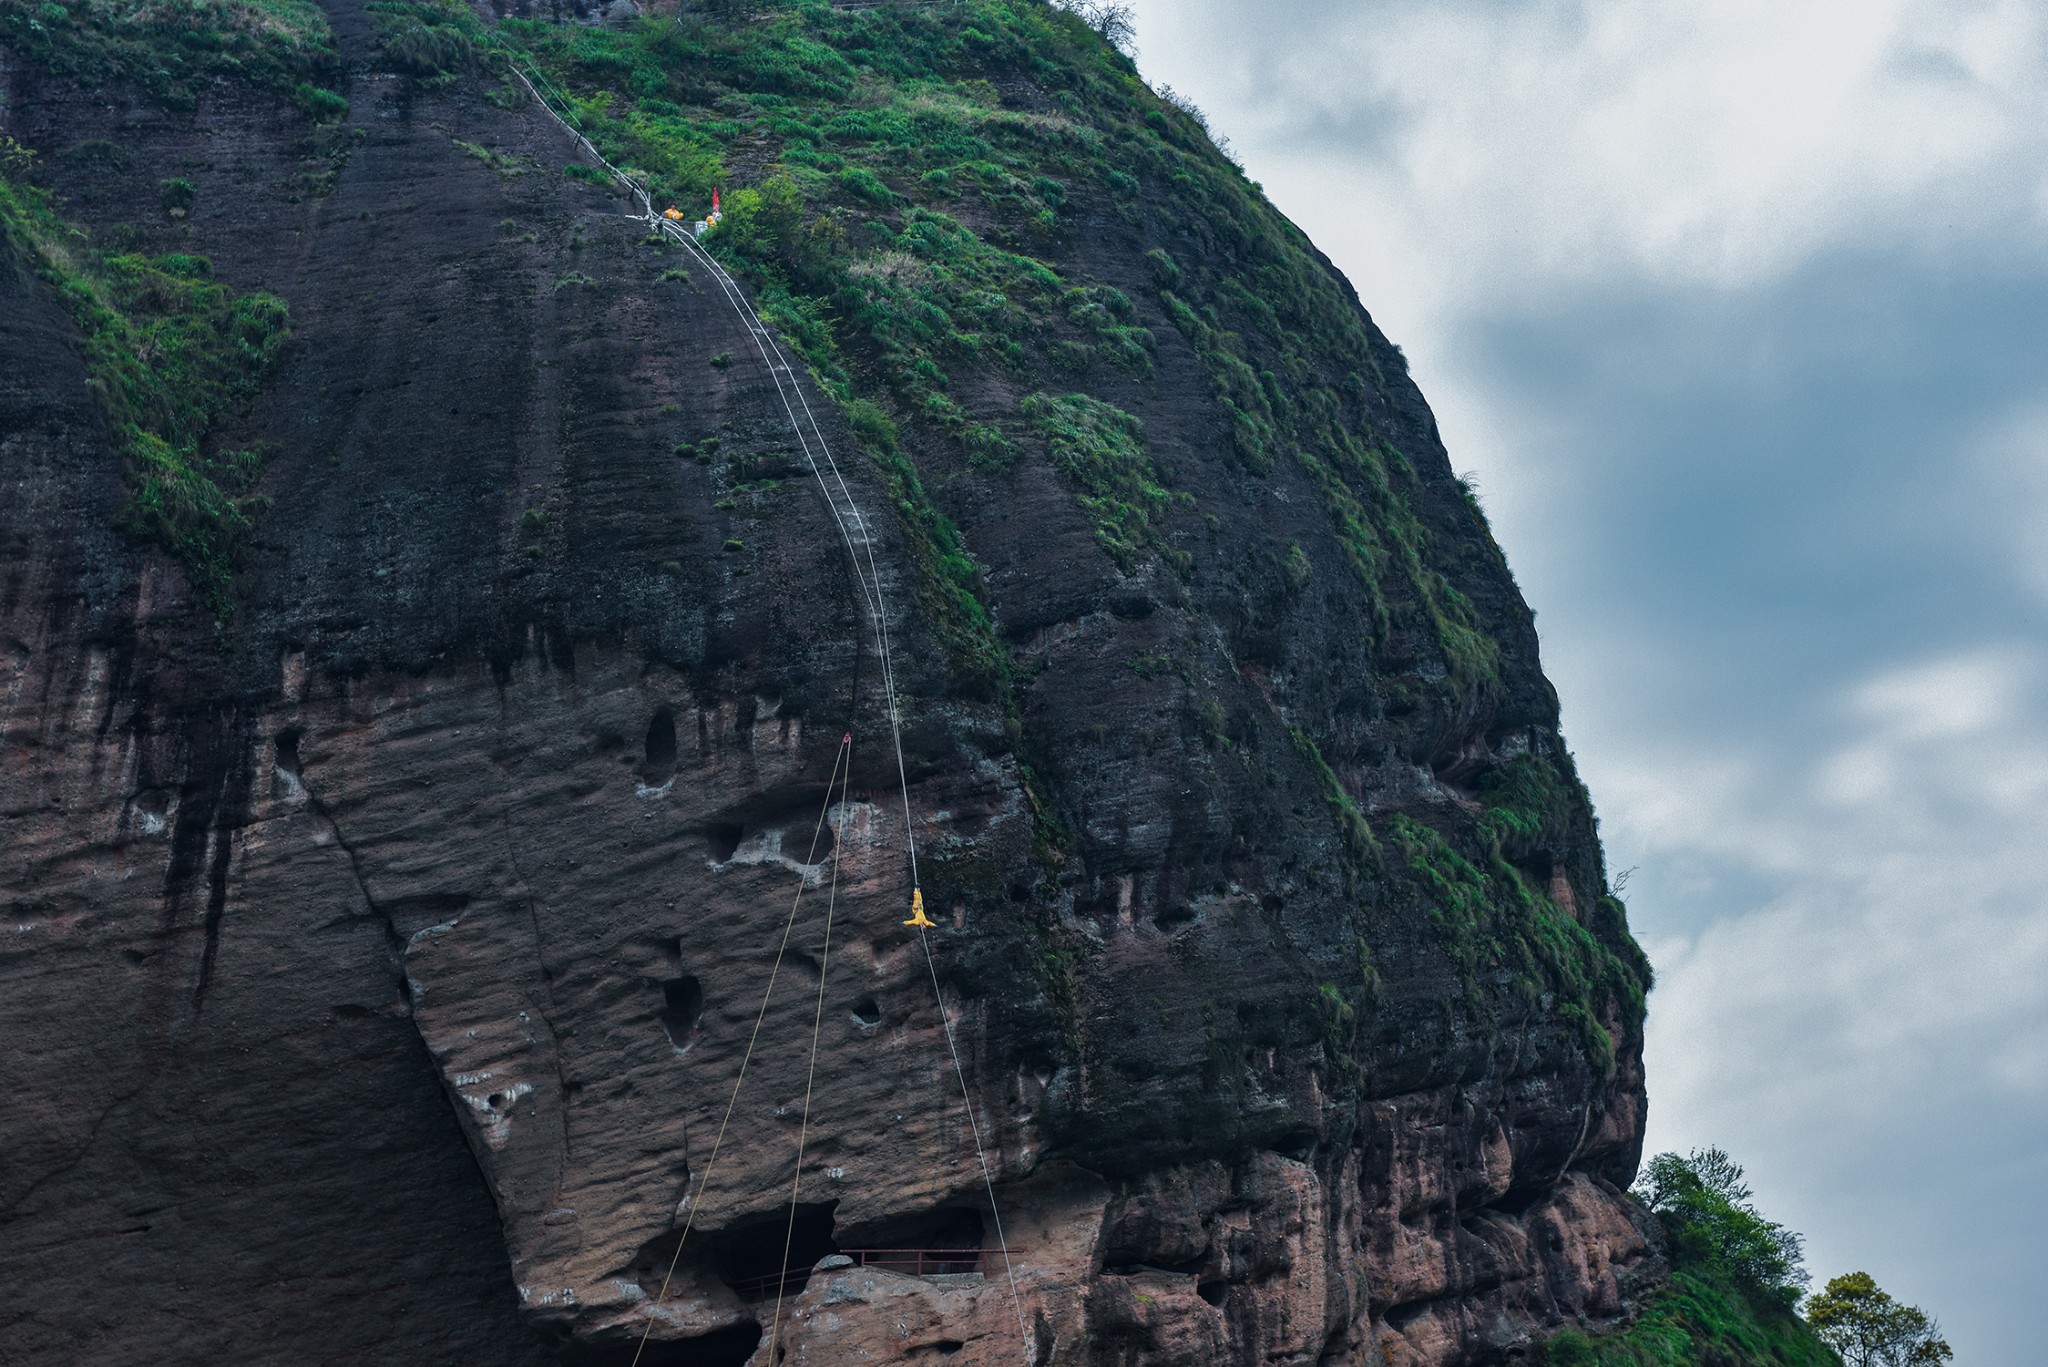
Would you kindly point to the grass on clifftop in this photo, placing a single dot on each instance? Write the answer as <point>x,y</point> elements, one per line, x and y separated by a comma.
<point>172,354</point>
<point>171,49</point>
<point>910,181</point>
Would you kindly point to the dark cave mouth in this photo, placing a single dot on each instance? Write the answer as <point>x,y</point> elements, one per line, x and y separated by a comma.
<point>763,1258</point>
<point>730,1347</point>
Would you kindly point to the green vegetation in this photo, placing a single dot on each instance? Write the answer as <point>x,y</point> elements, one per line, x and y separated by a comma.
<point>170,50</point>
<point>1696,1319</point>
<point>1714,1227</point>
<point>897,230</point>
<point>1100,449</point>
<point>172,354</point>
<point>1363,849</point>
<point>503,163</point>
<point>1490,913</point>
<point>1735,1279</point>
<point>905,223</point>
<point>949,588</point>
<point>432,41</point>
<point>1862,1322</point>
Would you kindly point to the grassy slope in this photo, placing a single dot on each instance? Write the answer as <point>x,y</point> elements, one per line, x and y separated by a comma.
<point>1698,1321</point>
<point>170,50</point>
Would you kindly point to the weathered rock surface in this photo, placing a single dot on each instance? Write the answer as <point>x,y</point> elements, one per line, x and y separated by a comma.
<point>377,971</point>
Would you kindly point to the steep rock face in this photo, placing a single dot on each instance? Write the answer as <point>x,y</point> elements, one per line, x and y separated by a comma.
<point>381,964</point>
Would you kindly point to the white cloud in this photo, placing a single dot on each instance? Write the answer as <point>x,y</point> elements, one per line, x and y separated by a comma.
<point>1892,992</point>
<point>1844,876</point>
<point>1538,144</point>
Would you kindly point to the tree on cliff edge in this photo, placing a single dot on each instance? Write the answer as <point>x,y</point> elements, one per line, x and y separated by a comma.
<point>1705,1204</point>
<point>1870,1329</point>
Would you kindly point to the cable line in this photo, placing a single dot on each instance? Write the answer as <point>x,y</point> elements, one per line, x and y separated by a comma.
<point>841,760</point>
<point>803,1131</point>
<point>790,392</point>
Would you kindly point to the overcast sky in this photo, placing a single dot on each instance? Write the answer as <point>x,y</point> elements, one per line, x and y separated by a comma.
<point>1738,309</point>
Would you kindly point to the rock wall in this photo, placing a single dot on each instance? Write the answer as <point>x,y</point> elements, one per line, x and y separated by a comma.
<point>379,964</point>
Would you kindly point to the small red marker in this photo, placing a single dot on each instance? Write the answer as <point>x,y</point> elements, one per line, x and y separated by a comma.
<point>846,739</point>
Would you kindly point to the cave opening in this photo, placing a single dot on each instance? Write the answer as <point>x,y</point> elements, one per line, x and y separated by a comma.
<point>724,840</point>
<point>730,1347</point>
<point>750,1257</point>
<point>287,745</point>
<point>659,765</point>
<point>682,1011</point>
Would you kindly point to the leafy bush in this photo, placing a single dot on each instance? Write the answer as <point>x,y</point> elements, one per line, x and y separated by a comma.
<point>1735,1279</point>
<point>1694,1320</point>
<point>428,40</point>
<point>1705,1205</point>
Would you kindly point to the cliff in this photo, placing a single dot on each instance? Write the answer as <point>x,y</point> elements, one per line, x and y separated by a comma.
<point>426,654</point>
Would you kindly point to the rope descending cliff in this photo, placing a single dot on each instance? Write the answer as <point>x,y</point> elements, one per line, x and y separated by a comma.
<point>859,542</point>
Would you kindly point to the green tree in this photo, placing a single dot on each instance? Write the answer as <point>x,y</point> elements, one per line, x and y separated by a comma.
<point>1705,1205</point>
<point>1870,1329</point>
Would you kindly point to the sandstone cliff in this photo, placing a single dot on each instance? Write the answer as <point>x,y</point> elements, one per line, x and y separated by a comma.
<point>392,885</point>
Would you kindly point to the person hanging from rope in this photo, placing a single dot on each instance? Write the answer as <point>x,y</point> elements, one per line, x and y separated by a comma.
<point>917,916</point>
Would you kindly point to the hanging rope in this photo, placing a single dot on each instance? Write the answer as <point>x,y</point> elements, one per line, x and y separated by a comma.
<point>790,392</point>
<point>840,761</point>
<point>771,353</point>
<point>973,1128</point>
<point>803,1129</point>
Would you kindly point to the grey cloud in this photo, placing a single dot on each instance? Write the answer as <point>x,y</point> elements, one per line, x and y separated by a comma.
<point>1780,522</point>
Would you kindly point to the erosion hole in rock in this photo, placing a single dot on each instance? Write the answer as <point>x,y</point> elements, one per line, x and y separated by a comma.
<point>682,1011</point>
<point>1212,1292</point>
<point>1173,916</point>
<point>952,1227</point>
<point>722,1348</point>
<point>659,765</point>
<point>750,1256</point>
<point>867,1013</point>
<point>288,751</point>
<point>1297,1144</point>
<point>1518,1199</point>
<point>724,840</point>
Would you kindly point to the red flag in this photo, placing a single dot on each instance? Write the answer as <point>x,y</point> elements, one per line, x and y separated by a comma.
<point>714,201</point>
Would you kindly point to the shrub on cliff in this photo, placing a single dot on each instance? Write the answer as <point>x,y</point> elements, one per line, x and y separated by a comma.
<point>1735,1281</point>
<point>1705,1205</point>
